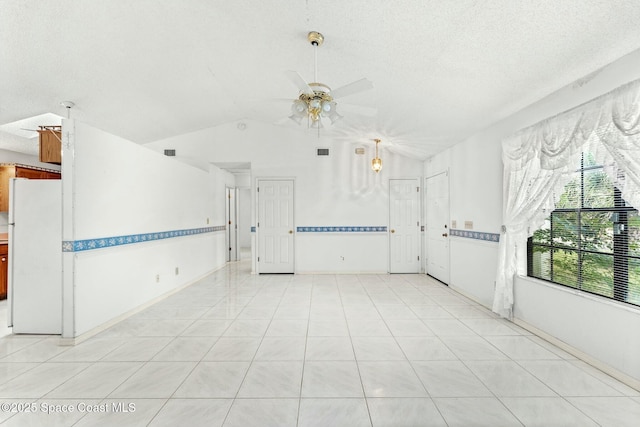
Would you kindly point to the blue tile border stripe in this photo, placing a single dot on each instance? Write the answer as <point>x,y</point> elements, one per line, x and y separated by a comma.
<point>339,229</point>
<point>343,229</point>
<point>107,242</point>
<point>476,235</point>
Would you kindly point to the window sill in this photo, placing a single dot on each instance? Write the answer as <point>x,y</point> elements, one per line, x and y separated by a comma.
<point>581,294</point>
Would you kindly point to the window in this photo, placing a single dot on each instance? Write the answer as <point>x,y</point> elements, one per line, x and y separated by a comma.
<point>591,241</point>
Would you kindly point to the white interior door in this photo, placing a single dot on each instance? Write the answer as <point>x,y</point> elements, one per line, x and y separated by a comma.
<point>404,226</point>
<point>437,210</point>
<point>275,226</point>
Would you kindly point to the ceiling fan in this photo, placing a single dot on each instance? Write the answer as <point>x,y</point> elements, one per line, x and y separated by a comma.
<point>316,100</point>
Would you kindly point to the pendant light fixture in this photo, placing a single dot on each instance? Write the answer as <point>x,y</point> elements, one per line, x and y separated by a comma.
<point>376,163</point>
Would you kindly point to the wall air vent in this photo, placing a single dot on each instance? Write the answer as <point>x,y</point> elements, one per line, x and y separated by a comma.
<point>170,153</point>
<point>322,151</point>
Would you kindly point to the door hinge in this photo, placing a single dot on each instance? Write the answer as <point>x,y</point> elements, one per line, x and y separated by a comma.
<point>229,195</point>
<point>418,257</point>
<point>258,259</point>
<point>418,189</point>
<point>229,222</point>
<point>258,189</point>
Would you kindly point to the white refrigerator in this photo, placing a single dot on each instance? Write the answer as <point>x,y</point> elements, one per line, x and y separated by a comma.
<point>35,256</point>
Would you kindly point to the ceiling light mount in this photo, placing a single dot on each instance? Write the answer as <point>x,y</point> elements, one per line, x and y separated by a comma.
<point>68,105</point>
<point>315,38</point>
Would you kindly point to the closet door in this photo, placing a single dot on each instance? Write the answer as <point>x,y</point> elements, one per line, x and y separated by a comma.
<point>275,226</point>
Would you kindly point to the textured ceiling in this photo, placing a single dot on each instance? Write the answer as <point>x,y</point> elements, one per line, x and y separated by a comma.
<point>442,70</point>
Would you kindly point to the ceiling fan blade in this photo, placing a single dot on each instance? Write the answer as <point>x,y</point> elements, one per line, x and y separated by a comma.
<point>351,88</point>
<point>300,83</point>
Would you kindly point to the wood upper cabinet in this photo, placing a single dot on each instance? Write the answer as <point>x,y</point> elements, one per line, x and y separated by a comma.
<point>20,171</point>
<point>51,144</point>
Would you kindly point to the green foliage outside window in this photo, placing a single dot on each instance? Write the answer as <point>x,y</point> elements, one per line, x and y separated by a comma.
<point>582,244</point>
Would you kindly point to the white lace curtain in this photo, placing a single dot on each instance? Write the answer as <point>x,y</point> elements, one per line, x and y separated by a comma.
<point>538,161</point>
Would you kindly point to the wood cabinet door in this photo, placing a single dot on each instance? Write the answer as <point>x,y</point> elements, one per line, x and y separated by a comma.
<point>53,175</point>
<point>30,173</point>
<point>6,173</point>
<point>50,146</point>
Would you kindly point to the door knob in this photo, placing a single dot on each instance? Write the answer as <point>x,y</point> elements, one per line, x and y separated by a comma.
<point>444,234</point>
<point>393,231</point>
<point>290,231</point>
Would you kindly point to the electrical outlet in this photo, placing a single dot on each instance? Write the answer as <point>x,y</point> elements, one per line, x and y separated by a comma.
<point>468,225</point>
<point>157,278</point>
<point>177,271</point>
<point>207,220</point>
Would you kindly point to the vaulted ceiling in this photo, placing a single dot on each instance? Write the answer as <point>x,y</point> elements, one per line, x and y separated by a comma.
<point>441,70</point>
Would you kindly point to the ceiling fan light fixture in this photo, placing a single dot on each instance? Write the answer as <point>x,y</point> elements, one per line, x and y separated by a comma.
<point>315,104</point>
<point>299,107</point>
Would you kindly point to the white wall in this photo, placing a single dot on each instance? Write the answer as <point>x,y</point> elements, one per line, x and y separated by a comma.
<point>475,188</point>
<point>338,190</point>
<point>476,194</point>
<point>244,217</point>
<point>113,187</point>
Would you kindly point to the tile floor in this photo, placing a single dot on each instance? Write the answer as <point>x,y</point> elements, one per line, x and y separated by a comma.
<point>237,349</point>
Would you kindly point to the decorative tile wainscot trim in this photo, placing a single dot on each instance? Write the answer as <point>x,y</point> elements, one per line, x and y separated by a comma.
<point>107,242</point>
<point>343,229</point>
<point>476,235</point>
